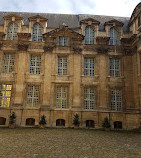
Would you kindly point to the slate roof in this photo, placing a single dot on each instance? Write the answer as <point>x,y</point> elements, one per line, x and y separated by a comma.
<point>71,20</point>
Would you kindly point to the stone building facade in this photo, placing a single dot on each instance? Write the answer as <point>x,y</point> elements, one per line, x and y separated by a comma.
<point>59,65</point>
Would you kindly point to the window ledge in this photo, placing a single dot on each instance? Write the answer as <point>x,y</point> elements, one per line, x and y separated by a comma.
<point>121,77</point>
<point>95,76</point>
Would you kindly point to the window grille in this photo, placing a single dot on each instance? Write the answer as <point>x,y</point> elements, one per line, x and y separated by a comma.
<point>5,95</point>
<point>62,65</point>
<point>116,100</point>
<point>63,41</point>
<point>8,63</point>
<point>114,37</point>
<point>61,97</point>
<point>89,98</point>
<point>37,33</point>
<point>12,31</point>
<point>32,96</point>
<point>114,67</point>
<point>35,64</point>
<point>88,66</point>
<point>89,35</point>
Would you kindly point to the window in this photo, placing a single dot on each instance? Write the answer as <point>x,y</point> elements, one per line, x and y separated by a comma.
<point>5,95</point>
<point>88,66</point>
<point>32,96</point>
<point>63,41</point>
<point>60,122</point>
<point>8,63</point>
<point>62,65</point>
<point>116,100</point>
<point>37,33</point>
<point>30,121</point>
<point>117,125</point>
<point>2,121</point>
<point>114,67</point>
<point>12,31</point>
<point>61,97</point>
<point>35,64</point>
<point>89,35</point>
<point>114,39</point>
<point>89,98</point>
<point>90,123</point>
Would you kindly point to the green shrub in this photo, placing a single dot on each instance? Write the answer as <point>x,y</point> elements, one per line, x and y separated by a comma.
<point>106,123</point>
<point>43,120</point>
<point>76,121</point>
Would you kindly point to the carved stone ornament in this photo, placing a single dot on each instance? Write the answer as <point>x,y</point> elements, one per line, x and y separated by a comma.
<point>48,48</point>
<point>22,46</point>
<point>77,50</point>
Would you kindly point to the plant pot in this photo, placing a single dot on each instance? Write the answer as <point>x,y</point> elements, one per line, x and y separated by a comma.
<point>76,126</point>
<point>107,129</point>
<point>12,126</point>
<point>42,126</point>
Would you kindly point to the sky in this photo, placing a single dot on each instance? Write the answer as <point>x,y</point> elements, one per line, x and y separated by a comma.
<point>123,8</point>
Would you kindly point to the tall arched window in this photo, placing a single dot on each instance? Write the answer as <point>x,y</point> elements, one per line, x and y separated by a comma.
<point>114,37</point>
<point>12,31</point>
<point>89,35</point>
<point>37,33</point>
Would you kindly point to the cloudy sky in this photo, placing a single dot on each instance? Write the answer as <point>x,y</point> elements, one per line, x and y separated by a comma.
<point>97,7</point>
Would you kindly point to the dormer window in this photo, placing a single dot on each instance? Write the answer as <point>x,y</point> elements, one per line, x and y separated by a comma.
<point>63,41</point>
<point>12,31</point>
<point>89,35</point>
<point>114,37</point>
<point>37,33</point>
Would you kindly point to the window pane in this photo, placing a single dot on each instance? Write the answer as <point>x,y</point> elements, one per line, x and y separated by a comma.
<point>89,35</point>
<point>114,39</point>
<point>37,33</point>
<point>63,41</point>
<point>5,95</point>
<point>116,100</point>
<point>61,97</point>
<point>8,63</point>
<point>32,98</point>
<point>62,65</point>
<point>114,67</point>
<point>35,64</point>
<point>12,31</point>
<point>89,98</point>
<point>89,66</point>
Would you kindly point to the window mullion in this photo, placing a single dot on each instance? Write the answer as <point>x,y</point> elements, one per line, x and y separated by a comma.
<point>4,95</point>
<point>61,97</point>
<point>33,96</point>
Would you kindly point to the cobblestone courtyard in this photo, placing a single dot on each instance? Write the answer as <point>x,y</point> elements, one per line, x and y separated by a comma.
<point>64,143</point>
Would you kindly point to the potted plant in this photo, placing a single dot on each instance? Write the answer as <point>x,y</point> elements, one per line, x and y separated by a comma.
<point>106,124</point>
<point>12,120</point>
<point>76,121</point>
<point>43,121</point>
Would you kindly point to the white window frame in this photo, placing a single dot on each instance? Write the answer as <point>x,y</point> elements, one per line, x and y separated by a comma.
<point>8,63</point>
<point>114,66</point>
<point>35,64</point>
<point>116,100</point>
<point>37,33</point>
<point>89,67</point>
<point>4,95</point>
<point>114,37</point>
<point>12,31</point>
<point>63,41</point>
<point>89,35</point>
<point>62,65</point>
<point>32,96</point>
<point>89,98</point>
<point>61,97</point>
